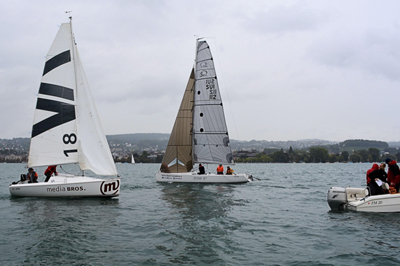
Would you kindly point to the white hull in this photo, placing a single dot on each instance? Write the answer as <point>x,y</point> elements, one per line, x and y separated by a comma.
<point>193,177</point>
<point>68,186</point>
<point>357,199</point>
<point>378,203</point>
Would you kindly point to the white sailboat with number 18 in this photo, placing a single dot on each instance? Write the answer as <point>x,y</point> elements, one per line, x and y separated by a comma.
<point>200,134</point>
<point>67,130</point>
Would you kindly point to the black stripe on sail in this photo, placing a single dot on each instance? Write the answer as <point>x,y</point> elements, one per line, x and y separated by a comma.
<point>57,61</point>
<point>55,90</point>
<point>65,113</point>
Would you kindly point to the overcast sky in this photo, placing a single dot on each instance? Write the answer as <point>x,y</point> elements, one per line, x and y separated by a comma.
<point>288,70</point>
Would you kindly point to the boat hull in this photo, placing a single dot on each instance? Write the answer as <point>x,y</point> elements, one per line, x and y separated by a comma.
<point>193,177</point>
<point>68,186</point>
<point>358,199</point>
<point>378,203</point>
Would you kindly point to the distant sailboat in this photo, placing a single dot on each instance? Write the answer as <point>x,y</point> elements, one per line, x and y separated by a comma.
<point>200,134</point>
<point>132,160</point>
<point>67,129</point>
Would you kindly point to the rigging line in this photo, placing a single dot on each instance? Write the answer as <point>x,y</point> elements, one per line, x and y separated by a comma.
<point>225,88</point>
<point>65,171</point>
<point>212,132</point>
<point>209,77</point>
<point>209,104</point>
<point>199,61</point>
<point>203,48</point>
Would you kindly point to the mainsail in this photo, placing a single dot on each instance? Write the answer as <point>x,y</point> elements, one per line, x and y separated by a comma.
<point>66,127</point>
<point>211,140</point>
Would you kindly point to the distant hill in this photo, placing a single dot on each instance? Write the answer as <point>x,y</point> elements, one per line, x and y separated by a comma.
<point>361,144</point>
<point>394,144</point>
<point>137,137</point>
<point>159,141</point>
<point>264,144</point>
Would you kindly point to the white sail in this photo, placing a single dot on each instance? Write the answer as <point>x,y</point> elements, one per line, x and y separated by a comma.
<point>94,152</point>
<point>54,134</point>
<point>211,140</point>
<point>133,159</point>
<point>66,127</point>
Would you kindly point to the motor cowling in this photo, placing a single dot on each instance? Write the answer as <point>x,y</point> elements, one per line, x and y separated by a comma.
<point>337,198</point>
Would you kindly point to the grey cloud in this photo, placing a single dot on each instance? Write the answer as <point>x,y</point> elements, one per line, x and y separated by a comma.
<point>373,50</point>
<point>283,19</point>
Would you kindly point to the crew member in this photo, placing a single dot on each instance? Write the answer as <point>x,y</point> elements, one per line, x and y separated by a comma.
<point>229,171</point>
<point>49,171</point>
<point>32,176</point>
<point>393,176</point>
<point>373,168</point>
<point>220,170</point>
<point>372,178</point>
<point>201,170</point>
<point>380,174</point>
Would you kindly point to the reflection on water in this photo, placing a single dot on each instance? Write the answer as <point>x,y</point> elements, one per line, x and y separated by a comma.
<point>67,226</point>
<point>202,222</point>
<point>202,202</point>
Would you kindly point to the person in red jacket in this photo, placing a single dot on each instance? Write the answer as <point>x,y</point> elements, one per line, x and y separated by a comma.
<point>372,178</point>
<point>49,171</point>
<point>393,176</point>
<point>373,168</point>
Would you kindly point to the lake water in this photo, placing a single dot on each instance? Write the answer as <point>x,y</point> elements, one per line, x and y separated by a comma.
<point>283,219</point>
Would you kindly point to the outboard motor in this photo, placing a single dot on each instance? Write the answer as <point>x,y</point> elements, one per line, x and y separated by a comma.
<point>337,198</point>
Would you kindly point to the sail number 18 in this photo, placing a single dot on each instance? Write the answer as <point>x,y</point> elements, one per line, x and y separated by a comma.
<point>69,139</point>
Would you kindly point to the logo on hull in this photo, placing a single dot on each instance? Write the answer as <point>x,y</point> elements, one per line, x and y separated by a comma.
<point>109,187</point>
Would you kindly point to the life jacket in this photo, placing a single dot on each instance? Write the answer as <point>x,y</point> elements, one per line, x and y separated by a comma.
<point>50,170</point>
<point>220,169</point>
<point>32,177</point>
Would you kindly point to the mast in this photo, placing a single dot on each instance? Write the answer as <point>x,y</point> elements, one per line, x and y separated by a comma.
<point>73,52</point>
<point>194,94</point>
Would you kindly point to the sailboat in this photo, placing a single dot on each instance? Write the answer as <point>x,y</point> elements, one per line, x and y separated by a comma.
<point>132,160</point>
<point>200,134</point>
<point>67,130</point>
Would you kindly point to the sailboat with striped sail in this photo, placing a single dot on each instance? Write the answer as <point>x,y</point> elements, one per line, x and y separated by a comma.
<point>200,133</point>
<point>67,130</point>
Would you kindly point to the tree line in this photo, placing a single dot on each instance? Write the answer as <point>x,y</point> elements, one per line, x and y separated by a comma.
<point>318,155</point>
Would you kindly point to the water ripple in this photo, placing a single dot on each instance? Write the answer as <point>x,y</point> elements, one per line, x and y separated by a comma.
<point>283,219</point>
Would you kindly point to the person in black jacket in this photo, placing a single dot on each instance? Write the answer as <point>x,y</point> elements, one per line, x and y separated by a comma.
<point>375,175</point>
<point>201,170</point>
